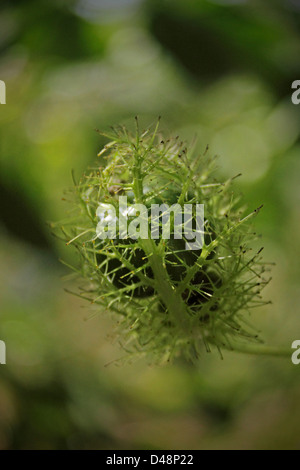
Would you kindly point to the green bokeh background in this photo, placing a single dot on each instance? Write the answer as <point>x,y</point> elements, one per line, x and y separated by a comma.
<point>219,70</point>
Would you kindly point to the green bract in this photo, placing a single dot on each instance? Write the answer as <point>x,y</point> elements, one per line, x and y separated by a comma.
<point>169,301</point>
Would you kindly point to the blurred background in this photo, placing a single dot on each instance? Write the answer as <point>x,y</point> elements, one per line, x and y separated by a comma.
<point>220,70</point>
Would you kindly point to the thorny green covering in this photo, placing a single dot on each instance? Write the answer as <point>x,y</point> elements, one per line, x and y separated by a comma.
<point>169,301</point>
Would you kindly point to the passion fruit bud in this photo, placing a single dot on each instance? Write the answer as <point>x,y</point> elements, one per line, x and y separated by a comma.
<point>169,299</point>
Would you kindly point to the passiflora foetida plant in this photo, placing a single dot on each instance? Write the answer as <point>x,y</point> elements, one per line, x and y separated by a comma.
<point>167,300</point>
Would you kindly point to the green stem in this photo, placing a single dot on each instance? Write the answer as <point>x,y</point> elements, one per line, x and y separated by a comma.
<point>173,301</point>
<point>260,349</point>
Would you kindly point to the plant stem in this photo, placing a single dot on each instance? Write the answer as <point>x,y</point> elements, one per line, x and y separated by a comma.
<point>259,349</point>
<point>173,301</point>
